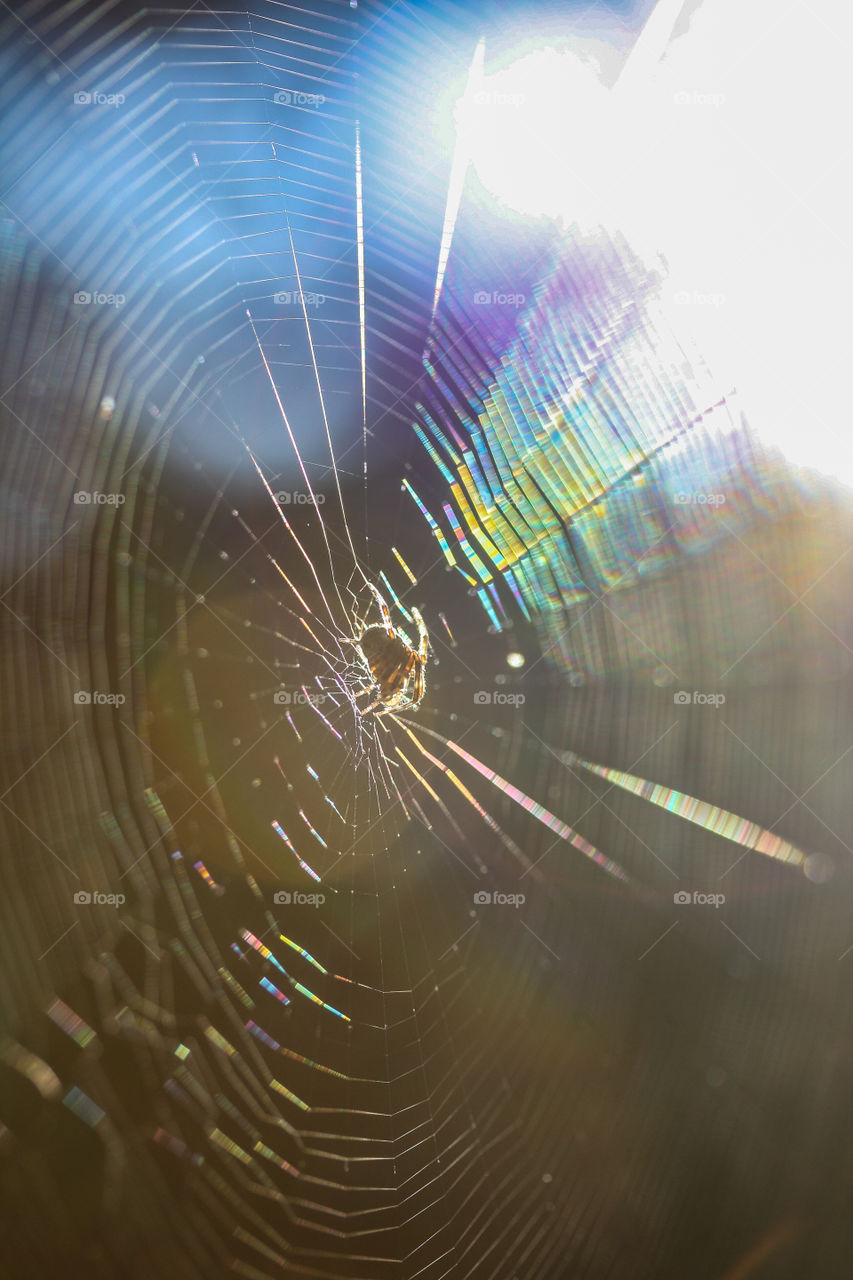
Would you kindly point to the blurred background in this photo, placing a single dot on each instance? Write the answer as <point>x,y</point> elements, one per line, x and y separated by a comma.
<point>533,316</point>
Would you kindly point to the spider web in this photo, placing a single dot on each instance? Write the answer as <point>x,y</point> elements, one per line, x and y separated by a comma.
<point>294,1048</point>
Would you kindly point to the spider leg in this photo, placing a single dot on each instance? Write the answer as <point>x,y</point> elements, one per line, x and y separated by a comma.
<point>391,705</point>
<point>383,608</point>
<point>423,635</point>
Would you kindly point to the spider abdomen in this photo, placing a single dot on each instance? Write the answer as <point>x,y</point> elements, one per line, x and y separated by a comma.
<point>396,669</point>
<point>389,659</point>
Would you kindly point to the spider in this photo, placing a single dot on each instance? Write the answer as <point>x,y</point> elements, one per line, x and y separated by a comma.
<point>396,668</point>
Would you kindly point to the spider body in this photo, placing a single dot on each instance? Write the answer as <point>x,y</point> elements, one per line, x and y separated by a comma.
<point>396,669</point>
